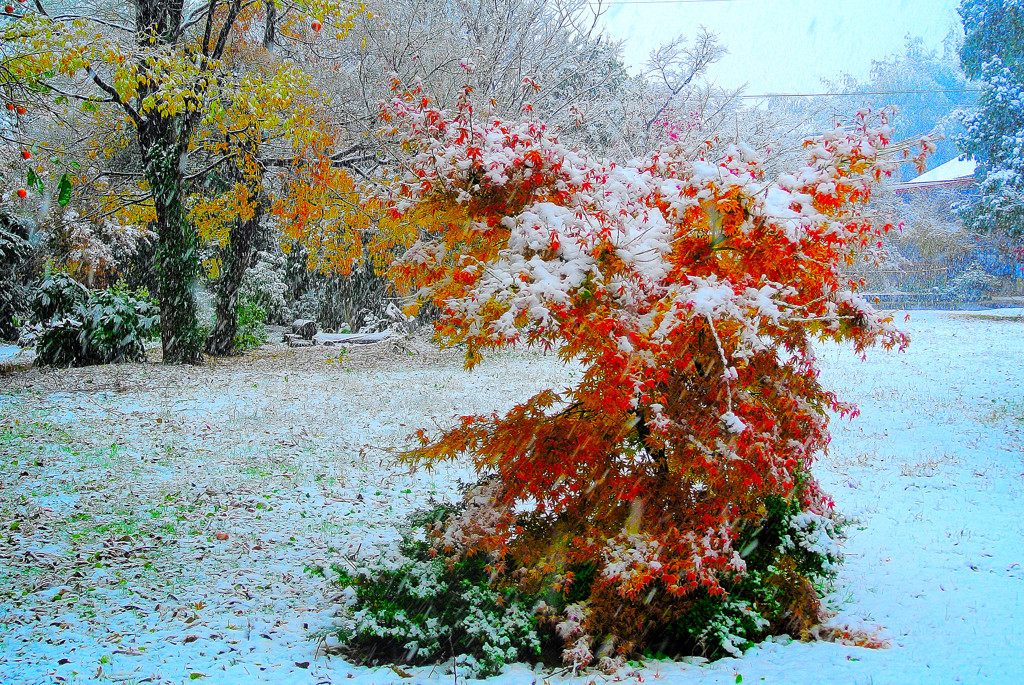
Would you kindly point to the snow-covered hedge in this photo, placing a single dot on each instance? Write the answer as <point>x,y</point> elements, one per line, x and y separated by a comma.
<point>427,607</point>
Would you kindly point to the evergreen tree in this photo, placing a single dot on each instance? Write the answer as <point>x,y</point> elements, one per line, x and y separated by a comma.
<point>994,52</point>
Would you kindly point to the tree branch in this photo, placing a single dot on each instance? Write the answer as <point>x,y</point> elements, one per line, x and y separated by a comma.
<point>110,24</point>
<point>225,30</point>
<point>209,168</point>
<point>115,97</point>
<point>209,27</point>
<point>76,96</point>
<point>193,19</point>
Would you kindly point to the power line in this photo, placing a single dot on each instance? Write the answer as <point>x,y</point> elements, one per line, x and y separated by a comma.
<point>847,94</point>
<point>654,2</point>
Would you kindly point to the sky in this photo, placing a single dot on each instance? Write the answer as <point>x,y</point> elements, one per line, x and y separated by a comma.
<point>783,45</point>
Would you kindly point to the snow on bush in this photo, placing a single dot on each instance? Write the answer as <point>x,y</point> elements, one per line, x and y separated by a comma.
<point>79,327</point>
<point>420,608</point>
<point>690,289</point>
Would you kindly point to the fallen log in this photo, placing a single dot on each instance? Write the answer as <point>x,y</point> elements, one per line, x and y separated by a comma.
<point>353,338</point>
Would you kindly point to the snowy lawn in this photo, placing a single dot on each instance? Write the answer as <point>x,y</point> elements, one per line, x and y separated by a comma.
<point>155,522</point>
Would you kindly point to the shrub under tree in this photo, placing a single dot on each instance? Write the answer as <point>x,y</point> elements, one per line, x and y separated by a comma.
<point>81,327</point>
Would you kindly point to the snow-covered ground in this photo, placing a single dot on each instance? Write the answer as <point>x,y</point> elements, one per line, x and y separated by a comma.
<point>155,522</point>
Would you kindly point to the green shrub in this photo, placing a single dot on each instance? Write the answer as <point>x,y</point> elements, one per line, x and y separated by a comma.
<point>715,627</point>
<point>252,331</point>
<point>82,327</point>
<point>426,607</point>
<point>264,285</point>
<point>58,296</point>
<point>792,558</point>
<point>15,251</point>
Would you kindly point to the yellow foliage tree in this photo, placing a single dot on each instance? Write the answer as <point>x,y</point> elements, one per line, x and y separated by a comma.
<point>161,76</point>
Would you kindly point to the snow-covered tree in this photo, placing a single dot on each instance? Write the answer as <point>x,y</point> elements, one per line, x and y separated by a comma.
<point>690,287</point>
<point>994,53</point>
<point>928,89</point>
<point>497,46</point>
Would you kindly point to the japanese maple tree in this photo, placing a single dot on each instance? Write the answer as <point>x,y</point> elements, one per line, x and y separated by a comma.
<point>690,290</point>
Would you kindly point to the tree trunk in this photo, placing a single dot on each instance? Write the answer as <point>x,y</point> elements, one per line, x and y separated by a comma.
<point>163,141</point>
<point>235,261</point>
<point>237,257</point>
